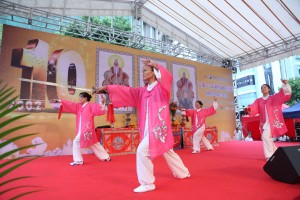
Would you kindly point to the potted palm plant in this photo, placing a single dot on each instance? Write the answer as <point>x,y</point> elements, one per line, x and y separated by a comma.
<point>9,186</point>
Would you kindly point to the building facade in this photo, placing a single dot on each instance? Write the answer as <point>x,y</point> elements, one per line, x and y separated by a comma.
<point>248,82</point>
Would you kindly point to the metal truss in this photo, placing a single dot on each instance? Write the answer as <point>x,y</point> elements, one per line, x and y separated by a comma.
<point>238,120</point>
<point>55,23</point>
<point>60,24</point>
<point>236,105</point>
<point>270,51</point>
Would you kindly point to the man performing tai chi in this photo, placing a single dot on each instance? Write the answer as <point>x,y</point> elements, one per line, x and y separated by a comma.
<point>152,103</point>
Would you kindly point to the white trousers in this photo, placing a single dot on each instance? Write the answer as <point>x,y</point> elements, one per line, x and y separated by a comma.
<point>268,143</point>
<point>144,164</point>
<point>97,148</point>
<point>197,137</point>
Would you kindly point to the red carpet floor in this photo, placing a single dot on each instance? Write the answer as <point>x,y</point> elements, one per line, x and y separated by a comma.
<point>233,171</point>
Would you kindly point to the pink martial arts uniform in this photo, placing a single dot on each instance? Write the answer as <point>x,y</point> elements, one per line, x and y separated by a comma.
<point>271,117</point>
<point>152,103</point>
<point>85,128</point>
<point>198,125</point>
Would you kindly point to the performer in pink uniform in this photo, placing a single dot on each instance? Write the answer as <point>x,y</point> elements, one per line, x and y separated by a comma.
<point>198,124</point>
<point>152,103</point>
<point>271,117</point>
<point>85,128</point>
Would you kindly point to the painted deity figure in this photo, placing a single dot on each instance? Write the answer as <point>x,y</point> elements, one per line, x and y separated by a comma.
<point>115,75</point>
<point>185,92</point>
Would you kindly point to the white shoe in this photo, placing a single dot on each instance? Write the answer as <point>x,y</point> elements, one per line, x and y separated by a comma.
<point>107,159</point>
<point>196,151</point>
<point>76,163</point>
<point>187,176</point>
<point>145,188</point>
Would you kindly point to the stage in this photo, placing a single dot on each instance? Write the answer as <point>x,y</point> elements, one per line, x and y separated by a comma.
<point>233,171</point>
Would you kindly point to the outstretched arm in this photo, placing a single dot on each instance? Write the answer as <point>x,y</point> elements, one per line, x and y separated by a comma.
<point>215,104</point>
<point>55,101</point>
<point>252,109</point>
<point>286,87</point>
<point>101,89</point>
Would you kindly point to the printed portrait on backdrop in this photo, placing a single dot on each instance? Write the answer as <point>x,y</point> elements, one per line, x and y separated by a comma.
<point>163,63</point>
<point>115,74</point>
<point>113,68</point>
<point>184,83</point>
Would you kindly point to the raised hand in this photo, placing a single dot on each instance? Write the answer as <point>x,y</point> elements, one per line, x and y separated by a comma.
<point>100,90</point>
<point>284,81</point>
<point>181,109</point>
<point>150,63</point>
<point>247,110</point>
<point>94,90</point>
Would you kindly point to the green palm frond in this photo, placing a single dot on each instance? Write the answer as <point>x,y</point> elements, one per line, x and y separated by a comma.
<point>3,144</point>
<point>2,114</point>
<point>7,117</point>
<point>4,90</point>
<point>20,195</point>
<point>6,154</point>
<point>5,172</point>
<point>17,187</point>
<point>4,105</point>
<point>14,179</point>
<point>23,194</point>
<point>7,94</point>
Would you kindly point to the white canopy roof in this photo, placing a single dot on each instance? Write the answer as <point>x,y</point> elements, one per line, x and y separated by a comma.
<point>231,28</point>
<point>253,31</point>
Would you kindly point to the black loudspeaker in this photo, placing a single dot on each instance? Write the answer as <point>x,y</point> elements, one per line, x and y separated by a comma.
<point>284,164</point>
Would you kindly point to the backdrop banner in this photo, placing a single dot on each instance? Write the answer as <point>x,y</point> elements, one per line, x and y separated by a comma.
<point>42,66</point>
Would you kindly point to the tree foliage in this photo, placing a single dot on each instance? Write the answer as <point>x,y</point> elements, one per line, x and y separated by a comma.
<point>79,30</point>
<point>295,85</point>
<point>120,23</point>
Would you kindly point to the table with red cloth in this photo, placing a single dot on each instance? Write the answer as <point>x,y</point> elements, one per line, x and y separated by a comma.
<point>211,133</point>
<point>251,124</point>
<point>178,138</point>
<point>118,141</point>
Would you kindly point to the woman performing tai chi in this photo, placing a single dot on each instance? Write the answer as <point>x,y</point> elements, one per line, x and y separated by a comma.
<point>198,124</point>
<point>271,117</point>
<point>85,128</point>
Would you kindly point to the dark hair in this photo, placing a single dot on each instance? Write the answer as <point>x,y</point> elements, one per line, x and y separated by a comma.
<point>86,95</point>
<point>266,85</point>
<point>152,68</point>
<point>200,102</point>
